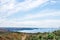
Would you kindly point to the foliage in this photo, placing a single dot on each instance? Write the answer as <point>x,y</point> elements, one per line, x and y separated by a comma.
<point>55,35</point>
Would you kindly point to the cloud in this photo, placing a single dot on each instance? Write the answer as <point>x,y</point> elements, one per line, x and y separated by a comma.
<point>25,22</point>
<point>44,13</point>
<point>38,24</point>
<point>9,7</point>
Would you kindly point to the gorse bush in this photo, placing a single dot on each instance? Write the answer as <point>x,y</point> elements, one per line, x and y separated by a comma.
<point>50,36</point>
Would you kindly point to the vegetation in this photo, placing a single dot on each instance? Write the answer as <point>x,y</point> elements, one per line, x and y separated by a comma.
<point>55,35</point>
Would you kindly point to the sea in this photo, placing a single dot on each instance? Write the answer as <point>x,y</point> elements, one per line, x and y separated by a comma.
<point>31,30</point>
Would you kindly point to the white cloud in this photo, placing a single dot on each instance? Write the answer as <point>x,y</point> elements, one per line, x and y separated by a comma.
<point>43,14</point>
<point>6,7</point>
<point>38,24</point>
<point>52,2</point>
<point>11,6</point>
<point>48,23</point>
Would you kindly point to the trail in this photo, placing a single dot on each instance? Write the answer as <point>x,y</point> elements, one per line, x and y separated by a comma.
<point>24,37</point>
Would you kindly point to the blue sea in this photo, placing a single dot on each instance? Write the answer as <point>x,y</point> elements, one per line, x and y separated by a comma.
<point>39,30</point>
<point>31,30</point>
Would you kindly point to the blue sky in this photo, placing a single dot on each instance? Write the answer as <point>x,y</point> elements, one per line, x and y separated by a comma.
<point>30,13</point>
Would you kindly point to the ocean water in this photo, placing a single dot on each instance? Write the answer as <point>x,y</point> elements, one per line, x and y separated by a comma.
<point>31,30</point>
<point>39,30</point>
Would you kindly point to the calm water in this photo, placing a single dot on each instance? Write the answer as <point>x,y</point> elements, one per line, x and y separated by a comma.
<point>31,30</point>
<point>39,30</point>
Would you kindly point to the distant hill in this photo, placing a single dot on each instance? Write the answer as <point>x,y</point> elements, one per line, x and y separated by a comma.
<point>3,30</point>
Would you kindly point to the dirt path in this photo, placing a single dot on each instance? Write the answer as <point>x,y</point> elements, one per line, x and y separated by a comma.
<point>24,37</point>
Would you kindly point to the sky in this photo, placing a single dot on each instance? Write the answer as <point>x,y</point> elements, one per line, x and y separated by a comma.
<point>30,13</point>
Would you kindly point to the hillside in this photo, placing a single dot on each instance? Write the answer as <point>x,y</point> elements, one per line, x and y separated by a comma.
<point>55,35</point>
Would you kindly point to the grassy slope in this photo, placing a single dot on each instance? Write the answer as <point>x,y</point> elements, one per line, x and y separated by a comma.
<point>28,36</point>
